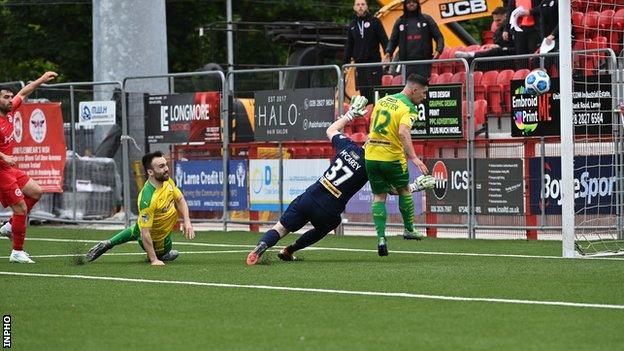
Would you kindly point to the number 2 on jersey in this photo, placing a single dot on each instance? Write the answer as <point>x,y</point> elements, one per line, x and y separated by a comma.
<point>333,172</point>
<point>380,124</point>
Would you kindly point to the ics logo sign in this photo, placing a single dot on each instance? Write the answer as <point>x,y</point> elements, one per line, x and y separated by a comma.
<point>440,173</point>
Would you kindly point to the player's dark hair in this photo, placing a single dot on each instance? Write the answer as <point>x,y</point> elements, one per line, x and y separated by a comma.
<point>499,11</point>
<point>417,79</point>
<point>147,159</point>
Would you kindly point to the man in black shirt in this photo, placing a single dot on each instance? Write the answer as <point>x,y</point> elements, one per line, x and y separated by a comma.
<point>366,34</point>
<point>413,34</point>
<point>503,47</point>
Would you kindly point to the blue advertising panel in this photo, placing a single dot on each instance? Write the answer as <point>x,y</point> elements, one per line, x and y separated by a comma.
<point>201,183</point>
<point>594,185</point>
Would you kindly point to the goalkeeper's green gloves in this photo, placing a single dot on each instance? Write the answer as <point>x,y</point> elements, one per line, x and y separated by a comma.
<point>356,108</point>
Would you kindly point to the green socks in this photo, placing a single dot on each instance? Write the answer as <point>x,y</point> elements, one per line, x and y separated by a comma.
<point>406,206</point>
<point>379,217</point>
<point>122,237</point>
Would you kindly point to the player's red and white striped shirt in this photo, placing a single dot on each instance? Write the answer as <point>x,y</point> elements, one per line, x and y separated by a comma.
<point>7,140</point>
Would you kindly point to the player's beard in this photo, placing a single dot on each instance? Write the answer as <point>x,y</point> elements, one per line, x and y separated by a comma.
<point>4,109</point>
<point>162,177</point>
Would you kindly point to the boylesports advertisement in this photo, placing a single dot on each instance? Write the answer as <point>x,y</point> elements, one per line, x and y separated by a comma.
<point>595,185</point>
<point>498,186</point>
<point>183,118</point>
<point>201,182</point>
<point>534,115</point>
<point>300,114</point>
<point>40,144</point>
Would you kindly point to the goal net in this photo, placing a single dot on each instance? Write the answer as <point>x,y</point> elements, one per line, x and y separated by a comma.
<point>597,116</point>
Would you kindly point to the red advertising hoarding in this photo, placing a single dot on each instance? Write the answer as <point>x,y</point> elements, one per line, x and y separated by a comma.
<point>40,144</point>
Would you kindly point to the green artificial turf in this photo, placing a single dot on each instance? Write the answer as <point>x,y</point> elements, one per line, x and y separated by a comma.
<point>52,313</point>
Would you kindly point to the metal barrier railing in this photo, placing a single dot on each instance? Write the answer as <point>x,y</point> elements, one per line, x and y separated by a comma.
<point>472,146</point>
<point>224,109</point>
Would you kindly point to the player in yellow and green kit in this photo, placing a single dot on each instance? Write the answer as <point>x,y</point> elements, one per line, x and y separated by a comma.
<point>387,151</point>
<point>159,202</point>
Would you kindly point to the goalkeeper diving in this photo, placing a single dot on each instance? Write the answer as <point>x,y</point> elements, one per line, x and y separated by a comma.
<point>323,202</point>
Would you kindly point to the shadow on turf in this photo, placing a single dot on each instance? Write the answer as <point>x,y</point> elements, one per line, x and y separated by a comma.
<point>78,251</point>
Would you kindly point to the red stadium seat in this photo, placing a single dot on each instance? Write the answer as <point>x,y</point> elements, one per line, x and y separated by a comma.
<point>386,80</point>
<point>369,112</point>
<point>476,81</point>
<point>433,79</point>
<point>447,67</point>
<point>299,152</point>
<point>445,78</point>
<point>492,91</point>
<point>315,151</point>
<point>618,19</point>
<point>328,152</point>
<point>359,125</point>
<point>480,108</point>
<point>577,25</point>
<point>397,80</point>
<point>503,79</point>
<point>359,137</point>
<point>465,109</point>
<point>348,129</point>
<point>473,48</point>
<point>590,23</point>
<point>521,74</point>
<point>459,77</point>
<point>606,20</point>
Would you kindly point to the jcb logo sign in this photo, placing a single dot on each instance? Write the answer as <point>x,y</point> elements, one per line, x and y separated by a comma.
<point>462,8</point>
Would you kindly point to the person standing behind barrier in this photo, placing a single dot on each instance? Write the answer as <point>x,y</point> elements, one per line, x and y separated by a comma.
<point>413,34</point>
<point>17,189</point>
<point>526,41</point>
<point>501,46</point>
<point>390,141</point>
<point>366,34</point>
<point>549,28</point>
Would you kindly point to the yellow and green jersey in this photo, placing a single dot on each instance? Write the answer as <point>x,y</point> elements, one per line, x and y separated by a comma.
<point>157,208</point>
<point>389,112</point>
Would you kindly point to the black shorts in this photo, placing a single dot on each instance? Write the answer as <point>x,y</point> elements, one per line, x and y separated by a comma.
<point>303,210</point>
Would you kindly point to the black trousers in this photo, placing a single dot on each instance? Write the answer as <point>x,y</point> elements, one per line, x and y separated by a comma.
<point>423,70</point>
<point>366,79</point>
<point>527,40</point>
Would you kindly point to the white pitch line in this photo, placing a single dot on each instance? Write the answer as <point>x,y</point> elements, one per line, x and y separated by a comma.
<point>328,291</point>
<point>137,253</point>
<point>440,253</point>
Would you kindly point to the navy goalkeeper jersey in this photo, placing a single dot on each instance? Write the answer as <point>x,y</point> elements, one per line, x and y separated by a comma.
<point>344,177</point>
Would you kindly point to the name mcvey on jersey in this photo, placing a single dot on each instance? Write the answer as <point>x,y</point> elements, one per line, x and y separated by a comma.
<point>586,187</point>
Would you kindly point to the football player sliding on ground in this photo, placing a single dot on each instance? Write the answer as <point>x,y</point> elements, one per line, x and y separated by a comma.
<point>323,202</point>
<point>159,202</point>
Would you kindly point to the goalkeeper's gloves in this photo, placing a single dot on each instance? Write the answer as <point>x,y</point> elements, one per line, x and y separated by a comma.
<point>356,108</point>
<point>421,183</point>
